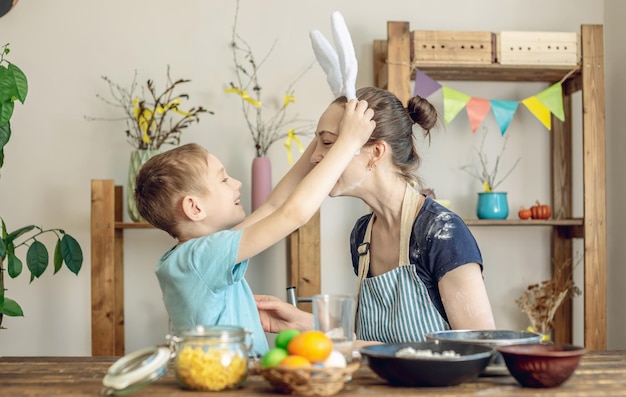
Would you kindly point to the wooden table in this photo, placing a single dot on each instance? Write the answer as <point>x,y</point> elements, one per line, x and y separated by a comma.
<point>600,373</point>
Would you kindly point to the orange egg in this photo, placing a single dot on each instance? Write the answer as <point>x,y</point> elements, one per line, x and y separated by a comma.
<point>315,346</point>
<point>293,361</point>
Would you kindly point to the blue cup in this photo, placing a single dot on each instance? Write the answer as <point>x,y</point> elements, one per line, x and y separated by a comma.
<point>492,205</point>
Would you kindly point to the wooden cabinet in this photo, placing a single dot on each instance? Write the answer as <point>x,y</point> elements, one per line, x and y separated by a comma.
<point>393,70</point>
<point>107,265</point>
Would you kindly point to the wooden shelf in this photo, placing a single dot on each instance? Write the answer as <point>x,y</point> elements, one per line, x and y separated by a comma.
<point>497,72</point>
<point>394,69</point>
<point>526,222</point>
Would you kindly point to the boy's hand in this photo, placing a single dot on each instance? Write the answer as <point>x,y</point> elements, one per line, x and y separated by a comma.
<point>357,122</point>
<point>277,315</point>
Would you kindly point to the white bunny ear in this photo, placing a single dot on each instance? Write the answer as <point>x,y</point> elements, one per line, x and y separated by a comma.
<point>328,60</point>
<point>341,66</point>
<point>347,57</point>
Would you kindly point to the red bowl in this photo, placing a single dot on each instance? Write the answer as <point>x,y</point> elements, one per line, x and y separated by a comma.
<point>541,365</point>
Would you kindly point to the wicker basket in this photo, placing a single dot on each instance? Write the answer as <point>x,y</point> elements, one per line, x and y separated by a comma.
<point>308,381</point>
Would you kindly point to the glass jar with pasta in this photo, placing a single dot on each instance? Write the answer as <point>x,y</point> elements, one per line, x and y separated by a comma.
<point>212,358</point>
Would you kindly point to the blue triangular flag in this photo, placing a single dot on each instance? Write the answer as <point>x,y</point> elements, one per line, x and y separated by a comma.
<point>503,111</point>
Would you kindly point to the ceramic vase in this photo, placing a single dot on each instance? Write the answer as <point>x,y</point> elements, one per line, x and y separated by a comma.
<point>137,159</point>
<point>261,180</point>
<point>492,205</point>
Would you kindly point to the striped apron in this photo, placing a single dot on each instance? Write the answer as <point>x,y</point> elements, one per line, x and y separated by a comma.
<point>395,306</point>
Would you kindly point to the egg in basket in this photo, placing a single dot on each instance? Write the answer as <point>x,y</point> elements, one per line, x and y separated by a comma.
<point>304,363</point>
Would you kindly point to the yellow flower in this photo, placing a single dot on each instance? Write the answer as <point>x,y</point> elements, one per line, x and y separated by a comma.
<point>291,136</point>
<point>289,99</point>
<point>244,96</point>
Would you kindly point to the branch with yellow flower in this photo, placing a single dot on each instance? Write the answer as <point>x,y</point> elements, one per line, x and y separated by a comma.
<point>264,131</point>
<point>486,176</point>
<point>152,119</point>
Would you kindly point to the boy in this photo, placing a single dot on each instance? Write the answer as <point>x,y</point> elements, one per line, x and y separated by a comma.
<point>187,193</point>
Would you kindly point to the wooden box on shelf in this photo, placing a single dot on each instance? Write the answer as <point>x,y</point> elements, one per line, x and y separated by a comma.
<point>439,46</point>
<point>538,48</point>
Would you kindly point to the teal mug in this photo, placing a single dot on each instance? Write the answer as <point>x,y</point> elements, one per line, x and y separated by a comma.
<point>492,205</point>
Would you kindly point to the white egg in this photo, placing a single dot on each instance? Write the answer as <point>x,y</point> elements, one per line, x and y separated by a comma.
<point>336,360</point>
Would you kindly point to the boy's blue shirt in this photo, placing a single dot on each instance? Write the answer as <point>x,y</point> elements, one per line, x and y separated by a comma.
<point>202,284</point>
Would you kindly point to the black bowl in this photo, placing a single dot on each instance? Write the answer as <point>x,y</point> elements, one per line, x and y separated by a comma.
<point>428,370</point>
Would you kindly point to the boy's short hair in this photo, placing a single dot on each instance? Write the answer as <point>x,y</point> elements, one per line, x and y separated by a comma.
<point>165,179</point>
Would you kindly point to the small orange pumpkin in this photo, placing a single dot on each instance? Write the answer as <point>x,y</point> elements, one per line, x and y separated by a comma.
<point>540,211</point>
<point>524,213</point>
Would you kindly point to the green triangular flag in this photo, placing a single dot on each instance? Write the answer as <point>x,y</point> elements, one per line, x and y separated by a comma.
<point>453,102</point>
<point>552,98</point>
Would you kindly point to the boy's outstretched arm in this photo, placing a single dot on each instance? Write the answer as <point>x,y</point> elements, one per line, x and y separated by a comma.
<point>355,129</point>
<point>284,188</point>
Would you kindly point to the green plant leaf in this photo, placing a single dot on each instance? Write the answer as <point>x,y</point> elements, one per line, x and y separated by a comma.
<point>3,249</point>
<point>57,259</point>
<point>6,111</point>
<point>11,308</point>
<point>20,83</point>
<point>13,84</point>
<point>37,258</point>
<point>15,234</point>
<point>72,253</point>
<point>5,132</point>
<point>14,265</point>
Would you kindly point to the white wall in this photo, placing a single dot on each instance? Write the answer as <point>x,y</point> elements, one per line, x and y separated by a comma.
<point>66,45</point>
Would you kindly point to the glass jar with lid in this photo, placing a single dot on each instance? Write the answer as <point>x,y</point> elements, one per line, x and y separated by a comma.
<point>204,357</point>
<point>212,358</point>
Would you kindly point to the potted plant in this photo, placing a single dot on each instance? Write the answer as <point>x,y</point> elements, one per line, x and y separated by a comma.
<point>14,87</point>
<point>265,130</point>
<point>152,119</point>
<point>492,204</point>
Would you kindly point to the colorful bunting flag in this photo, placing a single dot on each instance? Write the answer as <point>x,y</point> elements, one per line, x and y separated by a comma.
<point>539,110</point>
<point>453,102</point>
<point>552,98</point>
<point>477,110</point>
<point>541,105</point>
<point>503,111</point>
<point>424,85</point>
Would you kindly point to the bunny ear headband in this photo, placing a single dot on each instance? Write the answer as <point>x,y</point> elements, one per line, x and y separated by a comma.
<point>341,65</point>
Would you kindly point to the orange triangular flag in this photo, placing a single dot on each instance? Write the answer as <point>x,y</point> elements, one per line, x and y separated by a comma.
<point>477,110</point>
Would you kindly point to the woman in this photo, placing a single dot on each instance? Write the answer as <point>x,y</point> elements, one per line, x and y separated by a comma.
<point>419,267</point>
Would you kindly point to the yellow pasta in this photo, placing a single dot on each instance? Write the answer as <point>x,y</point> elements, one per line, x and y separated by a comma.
<point>210,369</point>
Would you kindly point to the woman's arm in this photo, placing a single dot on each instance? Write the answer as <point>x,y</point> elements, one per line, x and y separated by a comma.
<point>465,299</point>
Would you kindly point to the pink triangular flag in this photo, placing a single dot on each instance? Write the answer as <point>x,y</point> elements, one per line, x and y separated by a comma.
<point>477,110</point>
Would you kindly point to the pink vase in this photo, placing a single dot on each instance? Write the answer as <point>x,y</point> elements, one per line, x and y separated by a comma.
<point>261,180</point>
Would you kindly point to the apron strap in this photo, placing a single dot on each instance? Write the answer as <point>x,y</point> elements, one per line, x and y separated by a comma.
<point>411,205</point>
